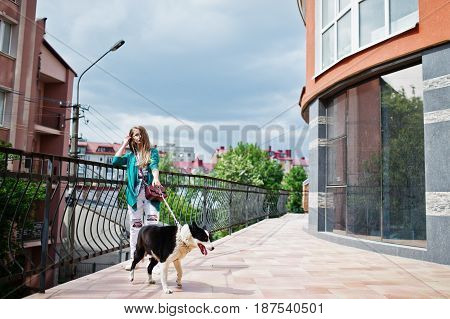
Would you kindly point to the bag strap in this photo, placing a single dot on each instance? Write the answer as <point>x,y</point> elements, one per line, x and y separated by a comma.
<point>167,205</point>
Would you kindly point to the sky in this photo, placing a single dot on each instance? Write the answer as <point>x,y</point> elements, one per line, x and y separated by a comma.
<point>201,73</point>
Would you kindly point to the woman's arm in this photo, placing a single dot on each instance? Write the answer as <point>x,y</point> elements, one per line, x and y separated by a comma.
<point>154,163</point>
<point>156,181</point>
<point>122,148</point>
<point>119,158</point>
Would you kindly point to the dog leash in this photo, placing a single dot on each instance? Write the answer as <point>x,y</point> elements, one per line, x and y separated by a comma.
<point>165,202</point>
<point>168,207</point>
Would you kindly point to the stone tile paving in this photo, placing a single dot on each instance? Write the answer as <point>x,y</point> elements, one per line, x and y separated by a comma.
<point>276,258</point>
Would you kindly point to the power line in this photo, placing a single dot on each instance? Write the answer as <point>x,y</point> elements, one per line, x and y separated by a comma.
<point>278,115</point>
<point>100,121</point>
<point>93,108</point>
<point>36,100</point>
<point>108,138</point>
<point>104,70</point>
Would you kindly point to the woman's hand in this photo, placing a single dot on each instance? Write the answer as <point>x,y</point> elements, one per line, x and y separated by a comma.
<point>156,182</point>
<point>123,147</point>
<point>126,140</point>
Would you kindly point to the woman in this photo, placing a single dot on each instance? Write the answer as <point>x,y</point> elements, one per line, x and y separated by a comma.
<point>142,166</point>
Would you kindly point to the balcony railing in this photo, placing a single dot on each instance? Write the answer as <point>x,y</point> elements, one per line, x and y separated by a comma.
<point>50,118</point>
<point>85,216</point>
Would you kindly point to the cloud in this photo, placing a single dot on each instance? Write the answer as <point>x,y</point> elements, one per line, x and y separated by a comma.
<point>175,26</point>
<point>208,62</point>
<point>204,137</point>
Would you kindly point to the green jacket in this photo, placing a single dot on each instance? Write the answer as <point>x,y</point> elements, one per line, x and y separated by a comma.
<point>129,159</point>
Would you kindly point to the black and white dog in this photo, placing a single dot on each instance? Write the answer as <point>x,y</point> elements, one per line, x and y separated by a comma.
<point>169,244</point>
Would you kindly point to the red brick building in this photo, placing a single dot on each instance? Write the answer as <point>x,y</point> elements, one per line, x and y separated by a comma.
<point>35,83</point>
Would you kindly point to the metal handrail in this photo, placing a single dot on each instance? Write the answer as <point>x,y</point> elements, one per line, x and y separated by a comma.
<point>35,190</point>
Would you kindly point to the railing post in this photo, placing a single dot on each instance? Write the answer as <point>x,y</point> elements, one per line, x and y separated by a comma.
<point>70,217</point>
<point>246,207</point>
<point>204,210</point>
<point>45,227</point>
<point>230,230</point>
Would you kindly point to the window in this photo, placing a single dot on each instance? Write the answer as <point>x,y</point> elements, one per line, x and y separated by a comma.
<point>105,149</point>
<point>5,37</point>
<point>348,26</point>
<point>402,13</point>
<point>403,157</point>
<point>328,12</point>
<point>2,106</point>
<point>375,171</point>
<point>371,21</point>
<point>344,35</point>
<point>343,4</point>
<point>328,47</point>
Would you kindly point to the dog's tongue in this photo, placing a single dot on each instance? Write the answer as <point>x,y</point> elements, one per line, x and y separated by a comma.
<point>202,249</point>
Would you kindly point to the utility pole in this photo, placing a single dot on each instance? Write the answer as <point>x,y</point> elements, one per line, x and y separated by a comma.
<point>73,168</point>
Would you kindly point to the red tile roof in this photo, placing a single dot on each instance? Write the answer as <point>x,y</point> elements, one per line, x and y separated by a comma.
<point>92,147</point>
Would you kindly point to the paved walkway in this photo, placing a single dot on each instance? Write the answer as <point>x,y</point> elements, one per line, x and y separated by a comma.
<point>275,258</point>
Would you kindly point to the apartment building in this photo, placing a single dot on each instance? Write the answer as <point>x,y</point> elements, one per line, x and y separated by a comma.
<point>178,153</point>
<point>376,100</point>
<point>35,83</point>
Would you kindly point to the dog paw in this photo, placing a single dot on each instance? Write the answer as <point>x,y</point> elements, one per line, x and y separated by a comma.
<point>131,276</point>
<point>151,282</point>
<point>168,291</point>
<point>179,285</point>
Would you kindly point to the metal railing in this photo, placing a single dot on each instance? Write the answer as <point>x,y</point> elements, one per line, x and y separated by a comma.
<point>52,119</point>
<point>52,218</point>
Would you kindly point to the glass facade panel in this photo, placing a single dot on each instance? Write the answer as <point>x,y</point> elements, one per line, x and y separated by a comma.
<point>328,47</point>
<point>364,158</point>
<point>371,21</point>
<point>336,209</point>
<point>403,14</point>
<point>375,160</point>
<point>403,162</point>
<point>336,117</point>
<point>344,44</point>
<point>328,12</point>
<point>336,168</point>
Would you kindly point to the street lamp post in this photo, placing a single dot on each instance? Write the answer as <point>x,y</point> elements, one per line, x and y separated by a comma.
<point>76,107</point>
<point>70,221</point>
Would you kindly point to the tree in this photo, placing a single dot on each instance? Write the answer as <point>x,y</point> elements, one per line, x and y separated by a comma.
<point>166,163</point>
<point>19,199</point>
<point>293,181</point>
<point>247,163</point>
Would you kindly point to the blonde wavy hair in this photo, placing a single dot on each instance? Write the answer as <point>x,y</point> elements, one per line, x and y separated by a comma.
<point>144,150</point>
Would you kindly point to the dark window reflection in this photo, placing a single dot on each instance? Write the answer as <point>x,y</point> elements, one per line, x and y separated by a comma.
<point>336,164</point>
<point>403,155</point>
<point>375,160</point>
<point>364,151</point>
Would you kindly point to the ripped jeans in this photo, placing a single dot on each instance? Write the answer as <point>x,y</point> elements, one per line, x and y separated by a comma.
<point>147,213</point>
